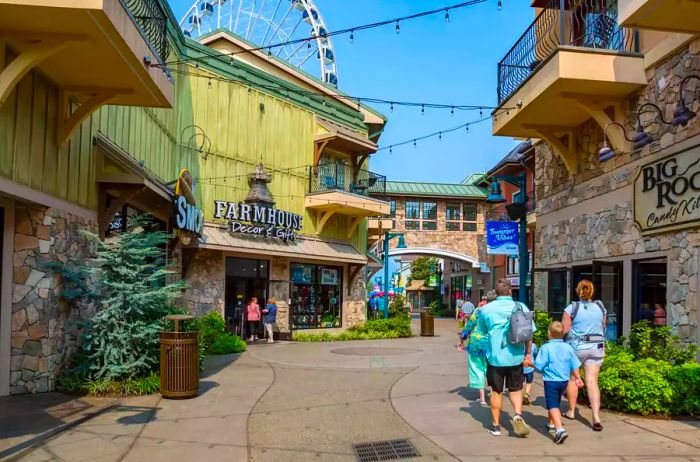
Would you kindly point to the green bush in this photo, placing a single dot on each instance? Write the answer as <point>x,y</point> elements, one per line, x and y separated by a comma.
<point>227,344</point>
<point>77,384</point>
<point>374,329</point>
<point>646,341</point>
<point>542,322</point>
<point>397,308</point>
<point>685,381</point>
<point>211,327</point>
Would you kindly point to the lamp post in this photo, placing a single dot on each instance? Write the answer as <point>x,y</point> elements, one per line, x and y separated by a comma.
<point>402,245</point>
<point>517,210</point>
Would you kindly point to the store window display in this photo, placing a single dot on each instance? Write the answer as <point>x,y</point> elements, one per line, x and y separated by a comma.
<point>316,296</point>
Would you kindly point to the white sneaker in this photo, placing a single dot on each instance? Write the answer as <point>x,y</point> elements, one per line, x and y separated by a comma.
<point>495,430</point>
<point>520,427</point>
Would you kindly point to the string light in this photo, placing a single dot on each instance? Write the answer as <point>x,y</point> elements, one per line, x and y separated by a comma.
<point>422,109</point>
<point>431,135</point>
<point>209,84</point>
<point>500,5</point>
<point>398,28</point>
<point>391,108</point>
<point>452,111</point>
<point>350,30</point>
<point>269,53</point>
<point>352,36</point>
<point>447,15</point>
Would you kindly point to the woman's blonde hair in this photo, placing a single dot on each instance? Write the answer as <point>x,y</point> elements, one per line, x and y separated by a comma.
<point>585,290</point>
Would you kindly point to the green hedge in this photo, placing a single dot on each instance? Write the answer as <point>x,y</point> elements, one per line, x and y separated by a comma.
<point>374,329</point>
<point>213,338</point>
<point>75,383</point>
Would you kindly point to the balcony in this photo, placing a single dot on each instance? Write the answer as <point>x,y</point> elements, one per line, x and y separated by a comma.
<point>572,64</point>
<point>337,188</point>
<point>672,16</point>
<point>95,51</point>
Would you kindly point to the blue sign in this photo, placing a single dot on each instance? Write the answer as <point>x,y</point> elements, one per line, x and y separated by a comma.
<point>502,237</point>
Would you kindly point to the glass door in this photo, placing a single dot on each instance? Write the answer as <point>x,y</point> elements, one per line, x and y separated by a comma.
<point>607,278</point>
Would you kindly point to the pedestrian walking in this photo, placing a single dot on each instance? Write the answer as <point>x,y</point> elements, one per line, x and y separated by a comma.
<point>477,346</point>
<point>381,308</point>
<point>558,363</point>
<point>373,306</point>
<point>584,326</point>
<point>253,316</point>
<point>270,318</point>
<point>468,309</point>
<point>505,359</point>
<point>459,313</point>
<point>529,377</point>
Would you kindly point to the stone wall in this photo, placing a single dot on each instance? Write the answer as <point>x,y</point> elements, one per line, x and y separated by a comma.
<point>44,328</point>
<point>608,230</point>
<point>205,276</point>
<point>279,288</point>
<point>354,305</point>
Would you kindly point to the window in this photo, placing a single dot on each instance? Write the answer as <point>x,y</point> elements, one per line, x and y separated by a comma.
<point>316,296</point>
<point>412,215</point>
<point>412,225</point>
<point>429,216</point>
<point>392,208</point>
<point>460,217</point>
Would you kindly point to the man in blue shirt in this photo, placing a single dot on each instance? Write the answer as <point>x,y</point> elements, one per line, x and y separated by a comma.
<point>558,363</point>
<point>505,360</point>
<point>270,318</point>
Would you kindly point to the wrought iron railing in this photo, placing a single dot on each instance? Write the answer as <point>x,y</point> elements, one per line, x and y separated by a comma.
<point>338,176</point>
<point>151,20</point>
<point>578,23</point>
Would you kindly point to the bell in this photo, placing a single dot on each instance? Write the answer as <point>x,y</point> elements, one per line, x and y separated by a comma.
<point>258,193</point>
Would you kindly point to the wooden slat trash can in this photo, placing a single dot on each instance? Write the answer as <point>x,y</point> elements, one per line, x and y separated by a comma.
<point>179,361</point>
<point>427,324</point>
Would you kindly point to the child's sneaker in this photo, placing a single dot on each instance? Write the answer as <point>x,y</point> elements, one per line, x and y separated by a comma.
<point>551,428</point>
<point>495,430</point>
<point>526,399</point>
<point>560,436</point>
<point>520,427</point>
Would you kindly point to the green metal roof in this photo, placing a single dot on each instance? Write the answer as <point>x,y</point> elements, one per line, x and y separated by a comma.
<point>474,178</point>
<point>410,188</point>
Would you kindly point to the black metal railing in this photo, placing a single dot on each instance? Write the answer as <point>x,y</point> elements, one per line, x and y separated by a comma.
<point>151,20</point>
<point>337,176</point>
<point>579,23</point>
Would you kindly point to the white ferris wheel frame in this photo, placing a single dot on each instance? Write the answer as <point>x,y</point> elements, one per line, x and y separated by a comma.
<point>322,41</point>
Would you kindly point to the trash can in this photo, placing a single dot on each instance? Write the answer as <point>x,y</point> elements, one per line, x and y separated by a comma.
<point>179,361</point>
<point>427,324</point>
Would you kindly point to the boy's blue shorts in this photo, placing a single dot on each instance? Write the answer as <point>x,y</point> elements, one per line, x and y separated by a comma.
<point>529,376</point>
<point>553,391</point>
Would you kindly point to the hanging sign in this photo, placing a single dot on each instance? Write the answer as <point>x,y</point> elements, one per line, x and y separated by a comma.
<point>259,220</point>
<point>502,237</point>
<point>667,193</point>
<point>189,219</point>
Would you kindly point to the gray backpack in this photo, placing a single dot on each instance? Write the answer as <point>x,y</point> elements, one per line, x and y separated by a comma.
<point>520,329</point>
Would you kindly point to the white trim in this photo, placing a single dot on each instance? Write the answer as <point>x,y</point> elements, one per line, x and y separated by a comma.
<point>6,258</point>
<point>19,191</point>
<point>436,253</point>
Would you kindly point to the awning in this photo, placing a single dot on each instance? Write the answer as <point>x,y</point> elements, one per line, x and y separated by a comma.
<point>345,139</point>
<point>215,237</point>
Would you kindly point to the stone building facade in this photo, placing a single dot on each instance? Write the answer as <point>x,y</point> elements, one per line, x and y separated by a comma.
<point>586,219</point>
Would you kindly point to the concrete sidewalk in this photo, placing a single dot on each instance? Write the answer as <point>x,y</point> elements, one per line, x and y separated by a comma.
<point>298,401</point>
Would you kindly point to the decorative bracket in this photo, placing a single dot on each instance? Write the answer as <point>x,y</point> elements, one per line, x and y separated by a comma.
<point>595,107</point>
<point>43,46</point>
<point>107,212</point>
<point>68,121</point>
<point>319,146</point>
<point>353,226</point>
<point>565,151</point>
<point>322,218</point>
<point>353,270</point>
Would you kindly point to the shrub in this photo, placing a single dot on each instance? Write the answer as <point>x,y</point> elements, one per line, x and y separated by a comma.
<point>227,344</point>
<point>374,329</point>
<point>211,327</point>
<point>646,341</point>
<point>542,322</point>
<point>397,307</point>
<point>685,381</point>
<point>74,383</point>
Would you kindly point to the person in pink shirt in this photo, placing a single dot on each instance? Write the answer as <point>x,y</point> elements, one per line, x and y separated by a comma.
<point>253,312</point>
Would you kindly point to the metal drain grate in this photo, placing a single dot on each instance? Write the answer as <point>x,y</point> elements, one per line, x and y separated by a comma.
<point>385,450</point>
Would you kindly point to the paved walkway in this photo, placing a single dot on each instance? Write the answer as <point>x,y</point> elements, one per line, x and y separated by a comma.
<point>291,402</point>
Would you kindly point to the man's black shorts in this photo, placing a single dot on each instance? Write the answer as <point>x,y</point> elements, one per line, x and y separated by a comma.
<point>500,378</point>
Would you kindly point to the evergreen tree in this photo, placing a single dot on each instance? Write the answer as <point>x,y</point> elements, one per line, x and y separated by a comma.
<point>122,339</point>
<point>422,268</point>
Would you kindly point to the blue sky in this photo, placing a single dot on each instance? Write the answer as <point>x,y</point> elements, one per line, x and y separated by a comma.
<point>431,61</point>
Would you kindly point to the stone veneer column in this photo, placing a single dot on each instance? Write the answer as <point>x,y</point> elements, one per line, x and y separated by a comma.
<point>44,327</point>
<point>279,288</point>
<point>206,276</point>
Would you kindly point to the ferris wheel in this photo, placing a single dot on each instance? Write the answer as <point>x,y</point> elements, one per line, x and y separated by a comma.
<point>268,22</point>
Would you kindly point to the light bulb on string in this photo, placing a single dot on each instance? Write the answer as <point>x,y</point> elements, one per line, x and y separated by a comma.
<point>500,5</point>
<point>440,136</point>
<point>269,53</point>
<point>391,107</point>
<point>452,111</point>
<point>398,28</point>
<point>467,127</point>
<point>414,143</point>
<point>422,109</point>
<point>209,84</point>
<point>447,15</point>
<point>352,36</point>
<point>391,150</point>
<point>481,112</point>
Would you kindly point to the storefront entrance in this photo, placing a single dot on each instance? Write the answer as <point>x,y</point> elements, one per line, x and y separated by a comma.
<point>649,302</point>
<point>245,278</point>
<point>607,279</point>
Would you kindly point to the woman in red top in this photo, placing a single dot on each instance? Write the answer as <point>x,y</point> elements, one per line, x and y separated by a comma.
<point>253,312</point>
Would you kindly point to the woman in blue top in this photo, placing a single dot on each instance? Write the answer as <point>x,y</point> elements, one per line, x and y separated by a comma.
<point>584,324</point>
<point>477,346</point>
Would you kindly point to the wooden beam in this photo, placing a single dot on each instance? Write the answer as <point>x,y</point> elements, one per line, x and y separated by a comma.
<point>616,135</point>
<point>322,219</point>
<point>319,146</point>
<point>68,122</point>
<point>567,152</point>
<point>353,226</point>
<point>353,270</point>
<point>24,63</point>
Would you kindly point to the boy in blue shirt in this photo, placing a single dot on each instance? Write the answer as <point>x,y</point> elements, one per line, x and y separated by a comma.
<point>557,362</point>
